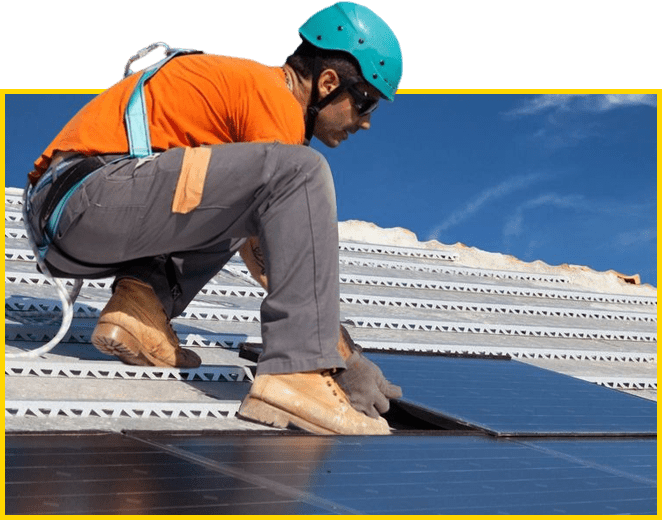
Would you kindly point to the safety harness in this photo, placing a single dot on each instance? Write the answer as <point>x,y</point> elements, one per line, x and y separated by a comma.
<point>65,185</point>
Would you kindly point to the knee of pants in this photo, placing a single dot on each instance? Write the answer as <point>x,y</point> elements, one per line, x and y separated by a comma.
<point>312,166</point>
<point>309,158</point>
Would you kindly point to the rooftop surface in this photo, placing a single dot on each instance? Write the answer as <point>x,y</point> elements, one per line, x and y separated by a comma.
<point>504,366</point>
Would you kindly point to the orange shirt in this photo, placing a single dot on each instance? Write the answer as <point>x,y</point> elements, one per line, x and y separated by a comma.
<point>193,100</point>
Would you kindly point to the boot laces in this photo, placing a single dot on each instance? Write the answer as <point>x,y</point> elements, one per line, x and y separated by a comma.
<point>333,385</point>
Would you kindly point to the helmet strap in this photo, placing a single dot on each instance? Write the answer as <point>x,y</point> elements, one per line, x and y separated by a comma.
<point>316,105</point>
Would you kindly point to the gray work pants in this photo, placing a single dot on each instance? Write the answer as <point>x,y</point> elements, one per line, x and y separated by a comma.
<point>120,223</point>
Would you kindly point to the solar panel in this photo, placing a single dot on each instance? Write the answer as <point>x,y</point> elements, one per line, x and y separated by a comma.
<point>164,473</point>
<point>432,474</point>
<point>112,474</point>
<point>506,397</point>
<point>636,460</point>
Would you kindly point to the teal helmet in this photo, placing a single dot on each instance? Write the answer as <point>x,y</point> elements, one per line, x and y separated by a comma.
<point>355,29</point>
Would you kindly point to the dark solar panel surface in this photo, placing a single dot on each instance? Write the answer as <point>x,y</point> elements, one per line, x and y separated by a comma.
<point>507,397</point>
<point>289,474</point>
<point>112,474</point>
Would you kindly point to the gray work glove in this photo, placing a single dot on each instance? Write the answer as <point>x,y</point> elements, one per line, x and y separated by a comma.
<point>365,385</point>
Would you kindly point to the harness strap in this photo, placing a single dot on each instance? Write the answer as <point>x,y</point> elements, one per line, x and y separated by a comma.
<point>139,141</point>
<point>63,184</point>
<point>135,116</point>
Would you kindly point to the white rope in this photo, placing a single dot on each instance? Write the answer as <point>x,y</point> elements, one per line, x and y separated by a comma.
<point>67,299</point>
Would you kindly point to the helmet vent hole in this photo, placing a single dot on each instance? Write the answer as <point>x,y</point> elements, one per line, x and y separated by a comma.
<point>340,27</point>
<point>375,76</point>
<point>382,63</point>
<point>319,37</point>
<point>361,40</point>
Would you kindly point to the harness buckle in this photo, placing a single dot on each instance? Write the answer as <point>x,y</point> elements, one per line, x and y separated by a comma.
<point>144,52</point>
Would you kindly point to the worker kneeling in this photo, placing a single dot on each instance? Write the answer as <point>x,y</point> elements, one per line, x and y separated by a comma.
<point>209,159</point>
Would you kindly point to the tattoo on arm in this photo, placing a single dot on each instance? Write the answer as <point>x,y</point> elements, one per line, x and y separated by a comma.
<point>259,257</point>
<point>254,260</point>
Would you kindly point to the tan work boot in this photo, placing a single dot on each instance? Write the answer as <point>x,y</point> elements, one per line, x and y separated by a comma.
<point>134,327</point>
<point>312,401</point>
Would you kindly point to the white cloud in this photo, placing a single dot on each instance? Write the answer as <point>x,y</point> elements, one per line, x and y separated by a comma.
<point>540,104</point>
<point>631,238</point>
<point>610,101</point>
<point>514,225</point>
<point>489,195</point>
<point>555,138</point>
<point>563,116</point>
<point>605,214</point>
<point>580,103</point>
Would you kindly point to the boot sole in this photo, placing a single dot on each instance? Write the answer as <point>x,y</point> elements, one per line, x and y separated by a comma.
<point>255,410</point>
<point>106,339</point>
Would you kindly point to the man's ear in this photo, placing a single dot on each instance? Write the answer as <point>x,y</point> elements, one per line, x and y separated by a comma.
<point>328,82</point>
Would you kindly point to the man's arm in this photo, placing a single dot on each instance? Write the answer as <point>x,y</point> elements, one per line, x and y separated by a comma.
<point>252,256</point>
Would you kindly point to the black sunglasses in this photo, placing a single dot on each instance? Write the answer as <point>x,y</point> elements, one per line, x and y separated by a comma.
<point>363,101</point>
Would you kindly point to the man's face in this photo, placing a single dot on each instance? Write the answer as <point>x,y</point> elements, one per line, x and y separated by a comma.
<point>340,118</point>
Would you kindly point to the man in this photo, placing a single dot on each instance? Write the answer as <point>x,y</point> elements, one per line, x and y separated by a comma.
<point>162,178</point>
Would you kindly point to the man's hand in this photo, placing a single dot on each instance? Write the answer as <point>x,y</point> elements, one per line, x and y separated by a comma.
<point>363,382</point>
<point>366,387</point>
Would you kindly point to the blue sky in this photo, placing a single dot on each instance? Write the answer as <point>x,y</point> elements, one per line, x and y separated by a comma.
<point>558,178</point>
